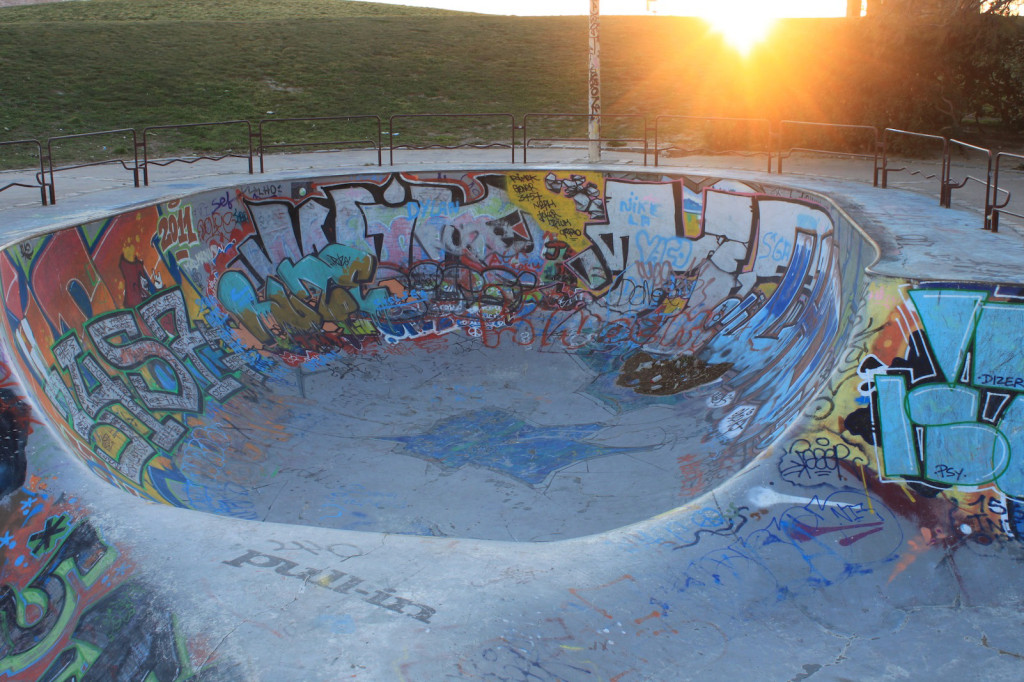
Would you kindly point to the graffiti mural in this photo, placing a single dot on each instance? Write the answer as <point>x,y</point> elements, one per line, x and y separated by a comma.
<point>947,413</point>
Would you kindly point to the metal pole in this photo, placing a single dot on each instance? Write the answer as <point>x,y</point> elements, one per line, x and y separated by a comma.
<point>594,83</point>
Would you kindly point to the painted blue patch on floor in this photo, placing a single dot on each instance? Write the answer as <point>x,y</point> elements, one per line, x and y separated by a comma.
<point>500,440</point>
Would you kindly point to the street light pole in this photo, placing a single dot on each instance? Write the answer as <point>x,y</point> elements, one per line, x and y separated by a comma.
<point>594,83</point>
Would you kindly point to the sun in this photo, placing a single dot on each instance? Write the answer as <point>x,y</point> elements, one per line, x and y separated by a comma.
<point>741,29</point>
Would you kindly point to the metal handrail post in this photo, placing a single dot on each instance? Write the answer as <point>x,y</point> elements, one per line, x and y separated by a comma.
<point>49,159</point>
<point>885,160</point>
<point>992,219</point>
<point>879,147</point>
<point>145,159</point>
<point>988,190</point>
<point>945,195</point>
<point>657,149</point>
<point>996,208</point>
<point>525,137</point>
<point>40,175</point>
<point>646,139</point>
<point>777,139</point>
<point>391,140</point>
<point>259,147</point>
<point>135,154</point>
<point>248,125</point>
<point>380,152</point>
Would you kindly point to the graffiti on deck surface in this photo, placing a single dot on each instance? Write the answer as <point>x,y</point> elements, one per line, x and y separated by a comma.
<point>593,632</point>
<point>834,538</point>
<point>70,611</point>
<point>329,578</point>
<point>82,554</point>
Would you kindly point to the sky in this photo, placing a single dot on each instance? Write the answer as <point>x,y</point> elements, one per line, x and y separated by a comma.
<point>777,8</point>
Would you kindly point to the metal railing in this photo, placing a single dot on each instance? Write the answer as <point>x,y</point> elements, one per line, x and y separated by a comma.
<point>951,184</point>
<point>838,149</point>
<point>995,207</point>
<point>890,133</point>
<point>510,145</point>
<point>40,182</point>
<point>146,132</point>
<point>995,202</point>
<point>586,118</point>
<point>134,168</point>
<point>323,145</point>
<point>714,151</point>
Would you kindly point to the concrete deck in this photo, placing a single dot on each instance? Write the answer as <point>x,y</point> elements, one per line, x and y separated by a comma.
<point>793,453</point>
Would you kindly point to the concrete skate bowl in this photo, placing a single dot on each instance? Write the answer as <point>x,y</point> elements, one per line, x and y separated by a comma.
<point>522,355</point>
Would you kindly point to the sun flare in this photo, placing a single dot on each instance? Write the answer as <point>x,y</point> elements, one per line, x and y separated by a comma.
<point>742,30</point>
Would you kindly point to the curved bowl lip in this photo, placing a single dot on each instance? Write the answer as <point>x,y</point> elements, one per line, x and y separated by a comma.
<point>183,189</point>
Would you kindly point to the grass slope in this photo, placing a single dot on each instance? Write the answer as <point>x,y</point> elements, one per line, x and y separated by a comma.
<point>207,10</point>
<point>75,67</point>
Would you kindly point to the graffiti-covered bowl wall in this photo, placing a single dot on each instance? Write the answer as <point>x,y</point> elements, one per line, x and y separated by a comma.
<point>524,355</point>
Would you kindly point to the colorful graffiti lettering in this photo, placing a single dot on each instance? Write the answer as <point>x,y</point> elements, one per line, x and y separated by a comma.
<point>949,412</point>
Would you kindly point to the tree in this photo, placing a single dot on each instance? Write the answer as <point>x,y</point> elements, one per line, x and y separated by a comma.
<point>959,59</point>
<point>940,9</point>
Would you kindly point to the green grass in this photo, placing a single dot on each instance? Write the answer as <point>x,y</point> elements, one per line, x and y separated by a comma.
<point>209,10</point>
<point>75,67</point>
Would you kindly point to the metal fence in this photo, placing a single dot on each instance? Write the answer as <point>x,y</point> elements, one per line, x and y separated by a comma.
<point>712,135</point>
<point>131,165</point>
<point>149,133</point>
<point>997,207</point>
<point>669,137</point>
<point>834,139</point>
<point>629,129</point>
<point>40,177</point>
<point>893,136</point>
<point>370,127</point>
<point>449,138</point>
